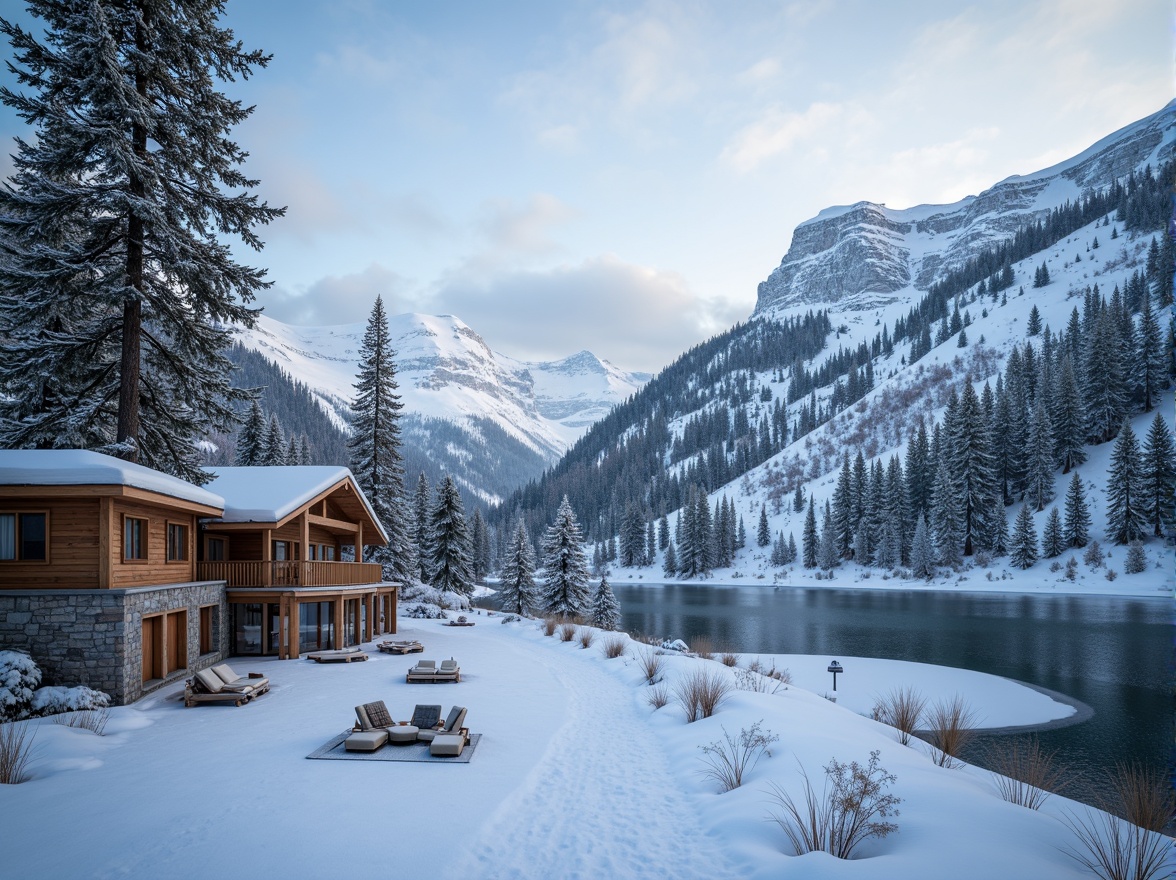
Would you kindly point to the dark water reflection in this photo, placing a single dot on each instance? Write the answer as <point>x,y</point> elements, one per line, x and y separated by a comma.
<point>1114,654</point>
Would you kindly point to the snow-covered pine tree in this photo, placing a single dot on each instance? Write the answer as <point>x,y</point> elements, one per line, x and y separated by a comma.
<point>946,519</point>
<point>1000,529</point>
<point>275,445</point>
<point>922,550</point>
<point>670,561</point>
<point>763,536</point>
<point>117,300</point>
<point>808,538</point>
<point>798,498</point>
<point>305,457</point>
<point>1126,504</point>
<point>479,547</point>
<point>650,543</point>
<point>974,472</point>
<point>1159,477</point>
<point>842,509</point>
<point>1069,421</point>
<point>1152,358</point>
<point>517,592</point>
<point>791,548</point>
<point>1136,560</point>
<point>1023,547</point>
<point>779,553</point>
<point>374,447</point>
<point>827,556</point>
<point>606,611</point>
<point>422,508</point>
<point>1039,474</point>
<point>1106,393</point>
<point>449,540</point>
<point>663,532</point>
<point>251,438</point>
<point>565,570</point>
<point>1076,529</point>
<point>1052,541</point>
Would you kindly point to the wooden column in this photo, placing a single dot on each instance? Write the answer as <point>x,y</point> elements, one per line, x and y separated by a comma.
<point>267,557</point>
<point>304,539</point>
<point>370,629</point>
<point>359,543</point>
<point>283,627</point>
<point>295,618</point>
<point>107,542</point>
<point>340,625</point>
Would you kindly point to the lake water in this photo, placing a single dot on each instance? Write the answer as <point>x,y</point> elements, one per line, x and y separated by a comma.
<point>1114,654</point>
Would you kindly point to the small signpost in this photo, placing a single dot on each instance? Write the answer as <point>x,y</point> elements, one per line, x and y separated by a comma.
<point>835,667</point>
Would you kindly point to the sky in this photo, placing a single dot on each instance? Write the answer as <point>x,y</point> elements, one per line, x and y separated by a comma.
<point>619,177</point>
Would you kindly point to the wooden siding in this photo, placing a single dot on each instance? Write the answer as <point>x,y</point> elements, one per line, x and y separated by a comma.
<point>155,569</point>
<point>72,545</point>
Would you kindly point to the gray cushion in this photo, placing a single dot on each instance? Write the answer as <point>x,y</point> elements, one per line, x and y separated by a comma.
<point>447,744</point>
<point>226,673</point>
<point>365,741</point>
<point>455,719</point>
<point>403,733</point>
<point>378,715</point>
<point>211,682</point>
<point>449,666</point>
<point>426,716</point>
<point>361,715</point>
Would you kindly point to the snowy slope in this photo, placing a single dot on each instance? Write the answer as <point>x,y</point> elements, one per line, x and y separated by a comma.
<point>866,255</point>
<point>447,371</point>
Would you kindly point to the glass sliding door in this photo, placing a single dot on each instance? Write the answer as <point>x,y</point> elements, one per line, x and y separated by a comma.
<point>247,628</point>
<point>316,626</point>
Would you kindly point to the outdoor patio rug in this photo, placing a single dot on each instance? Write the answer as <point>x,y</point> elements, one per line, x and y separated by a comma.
<point>333,751</point>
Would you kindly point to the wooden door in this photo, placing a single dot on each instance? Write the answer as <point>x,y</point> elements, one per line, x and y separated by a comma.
<point>177,640</point>
<point>152,648</point>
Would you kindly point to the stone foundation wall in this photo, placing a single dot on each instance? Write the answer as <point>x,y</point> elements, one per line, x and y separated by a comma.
<point>94,637</point>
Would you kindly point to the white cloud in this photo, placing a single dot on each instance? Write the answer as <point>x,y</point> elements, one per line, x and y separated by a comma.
<point>634,316</point>
<point>524,229</point>
<point>776,132</point>
<point>339,299</point>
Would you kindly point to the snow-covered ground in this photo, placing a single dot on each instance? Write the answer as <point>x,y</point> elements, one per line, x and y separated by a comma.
<point>576,775</point>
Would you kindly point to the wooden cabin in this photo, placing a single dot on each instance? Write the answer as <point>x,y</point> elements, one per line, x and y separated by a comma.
<point>125,579</point>
<point>286,546</point>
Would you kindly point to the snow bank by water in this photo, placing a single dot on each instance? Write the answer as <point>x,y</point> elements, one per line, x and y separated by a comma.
<point>575,776</point>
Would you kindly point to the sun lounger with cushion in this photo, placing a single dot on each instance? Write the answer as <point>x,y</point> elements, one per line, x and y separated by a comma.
<point>233,681</point>
<point>426,671</point>
<point>208,687</point>
<point>341,655</point>
<point>454,723</point>
<point>374,721</point>
<point>401,647</point>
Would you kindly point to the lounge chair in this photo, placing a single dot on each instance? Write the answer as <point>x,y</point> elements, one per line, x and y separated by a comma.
<point>341,655</point>
<point>426,671</point>
<point>454,724</point>
<point>373,723</point>
<point>208,687</point>
<point>234,682</point>
<point>401,647</point>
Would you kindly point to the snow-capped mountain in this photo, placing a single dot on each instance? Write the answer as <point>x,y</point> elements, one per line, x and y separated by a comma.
<point>864,256</point>
<point>447,372</point>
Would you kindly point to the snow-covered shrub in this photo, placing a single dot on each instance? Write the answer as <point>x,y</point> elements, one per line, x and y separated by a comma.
<point>675,645</point>
<point>852,807</point>
<point>1072,568</point>
<point>727,759</point>
<point>755,681</point>
<point>511,618</point>
<point>55,700</point>
<point>1136,560</point>
<point>549,625</point>
<point>423,593</point>
<point>1055,566</point>
<point>19,677</point>
<point>1093,556</point>
<point>1111,574</point>
<point>423,611</point>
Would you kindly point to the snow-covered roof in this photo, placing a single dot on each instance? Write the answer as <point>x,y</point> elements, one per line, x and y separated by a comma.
<point>270,494</point>
<point>81,467</point>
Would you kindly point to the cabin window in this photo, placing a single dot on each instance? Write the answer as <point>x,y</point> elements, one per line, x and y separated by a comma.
<point>134,539</point>
<point>328,553</point>
<point>312,552</point>
<point>24,537</point>
<point>177,542</point>
<point>281,551</point>
<point>216,550</point>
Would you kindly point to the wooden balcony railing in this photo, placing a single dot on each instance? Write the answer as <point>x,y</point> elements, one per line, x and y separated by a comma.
<point>290,573</point>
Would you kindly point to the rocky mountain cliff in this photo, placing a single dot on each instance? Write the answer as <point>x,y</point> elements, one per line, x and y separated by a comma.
<point>861,256</point>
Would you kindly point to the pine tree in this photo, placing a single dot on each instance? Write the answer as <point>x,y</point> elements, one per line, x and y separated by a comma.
<point>1069,422</point>
<point>1000,532</point>
<point>670,562</point>
<point>374,446</point>
<point>946,519</point>
<point>973,468</point>
<point>450,567</point>
<point>1034,325</point>
<point>606,612</point>
<point>117,300</point>
<point>798,499</point>
<point>1151,360</point>
<point>1040,471</point>
<point>517,592</point>
<point>479,548</point>
<point>922,550</point>
<point>275,445</point>
<point>650,543</point>
<point>565,570</point>
<point>663,532</point>
<point>1136,560</point>
<point>1106,385</point>
<point>827,556</point>
<point>1052,540</point>
<point>1023,549</point>
<point>763,536</point>
<point>250,440</point>
<point>1126,504</point>
<point>1159,477</point>
<point>1076,531</point>
<point>421,519</point>
<point>808,538</point>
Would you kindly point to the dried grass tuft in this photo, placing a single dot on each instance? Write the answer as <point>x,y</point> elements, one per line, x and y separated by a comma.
<point>658,696</point>
<point>1142,795</point>
<point>652,665</point>
<point>703,647</point>
<point>16,750</point>
<point>729,659</point>
<point>613,647</point>
<point>94,720</point>
<point>729,758</point>
<point>701,692</point>
<point>587,636</point>
<point>567,631</point>
<point>901,708</point>
<point>951,727</point>
<point>549,625</point>
<point>1027,772</point>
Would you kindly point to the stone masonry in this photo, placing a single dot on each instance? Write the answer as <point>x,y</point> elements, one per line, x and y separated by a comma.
<point>94,637</point>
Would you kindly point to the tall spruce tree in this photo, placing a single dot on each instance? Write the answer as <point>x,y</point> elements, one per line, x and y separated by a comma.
<point>763,535</point>
<point>1152,361</point>
<point>517,592</point>
<point>1076,529</point>
<point>374,446</point>
<point>809,541</point>
<point>421,509</point>
<point>974,472</point>
<point>1159,477</point>
<point>117,296</point>
<point>1039,474</point>
<point>251,438</point>
<point>275,445</point>
<point>922,550</point>
<point>1126,503</point>
<point>1023,547</point>
<point>450,567</point>
<point>1052,540</point>
<point>565,568</point>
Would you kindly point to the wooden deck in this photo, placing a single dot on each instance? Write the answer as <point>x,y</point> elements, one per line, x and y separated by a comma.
<point>297,573</point>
